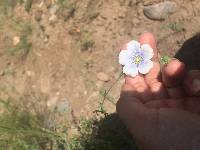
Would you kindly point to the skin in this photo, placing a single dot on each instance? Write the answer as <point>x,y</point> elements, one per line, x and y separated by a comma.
<point>162,108</point>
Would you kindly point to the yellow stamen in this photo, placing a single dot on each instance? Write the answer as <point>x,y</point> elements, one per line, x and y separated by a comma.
<point>137,60</point>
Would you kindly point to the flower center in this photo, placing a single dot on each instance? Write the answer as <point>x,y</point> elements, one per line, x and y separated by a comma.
<point>137,60</point>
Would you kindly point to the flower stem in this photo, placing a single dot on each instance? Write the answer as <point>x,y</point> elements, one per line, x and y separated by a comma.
<point>105,94</point>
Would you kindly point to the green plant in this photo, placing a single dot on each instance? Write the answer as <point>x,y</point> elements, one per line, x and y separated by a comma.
<point>6,6</point>
<point>21,128</point>
<point>23,30</point>
<point>23,47</point>
<point>165,59</point>
<point>106,133</point>
<point>67,8</point>
<point>86,43</point>
<point>28,5</point>
<point>105,96</point>
<point>175,26</point>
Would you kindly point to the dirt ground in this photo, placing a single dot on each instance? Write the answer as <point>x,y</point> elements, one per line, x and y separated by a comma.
<point>70,49</point>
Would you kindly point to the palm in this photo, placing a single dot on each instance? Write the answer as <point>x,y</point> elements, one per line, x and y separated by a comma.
<point>158,111</point>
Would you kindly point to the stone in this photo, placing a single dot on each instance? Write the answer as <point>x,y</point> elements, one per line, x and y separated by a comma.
<point>60,111</point>
<point>53,19</point>
<point>103,77</point>
<point>29,73</point>
<point>54,9</point>
<point>160,11</point>
<point>2,73</point>
<point>16,40</point>
<point>63,107</point>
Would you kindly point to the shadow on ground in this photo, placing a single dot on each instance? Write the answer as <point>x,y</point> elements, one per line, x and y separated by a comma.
<point>190,53</point>
<point>107,133</point>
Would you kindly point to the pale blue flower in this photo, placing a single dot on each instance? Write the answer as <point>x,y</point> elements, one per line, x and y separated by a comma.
<point>136,58</point>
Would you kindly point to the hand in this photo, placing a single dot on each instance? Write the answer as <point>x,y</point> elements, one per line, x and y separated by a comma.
<point>162,110</point>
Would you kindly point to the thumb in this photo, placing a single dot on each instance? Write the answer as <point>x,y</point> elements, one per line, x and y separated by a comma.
<point>173,73</point>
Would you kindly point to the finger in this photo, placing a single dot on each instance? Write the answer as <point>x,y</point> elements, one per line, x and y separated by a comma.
<point>192,83</point>
<point>148,38</point>
<point>153,78</point>
<point>173,73</point>
<point>172,76</point>
<point>154,82</point>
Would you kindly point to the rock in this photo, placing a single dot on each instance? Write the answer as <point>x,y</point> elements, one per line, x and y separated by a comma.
<point>16,40</point>
<point>38,15</point>
<point>54,9</point>
<point>160,11</point>
<point>2,73</point>
<point>103,77</point>
<point>29,73</point>
<point>63,107</point>
<point>60,111</point>
<point>53,19</point>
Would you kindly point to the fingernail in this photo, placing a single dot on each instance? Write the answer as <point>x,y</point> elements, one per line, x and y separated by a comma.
<point>196,85</point>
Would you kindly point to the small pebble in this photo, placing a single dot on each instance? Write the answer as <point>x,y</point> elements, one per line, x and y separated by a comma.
<point>103,77</point>
<point>16,40</point>
<point>63,107</point>
<point>53,19</point>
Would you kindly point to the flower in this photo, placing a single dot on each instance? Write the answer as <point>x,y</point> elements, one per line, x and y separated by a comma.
<point>136,58</point>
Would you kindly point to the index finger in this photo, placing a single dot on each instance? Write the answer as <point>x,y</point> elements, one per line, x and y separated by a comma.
<point>153,78</point>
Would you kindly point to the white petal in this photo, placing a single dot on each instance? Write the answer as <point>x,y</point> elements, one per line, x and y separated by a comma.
<point>123,57</point>
<point>145,66</point>
<point>147,51</point>
<point>133,46</point>
<point>130,69</point>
